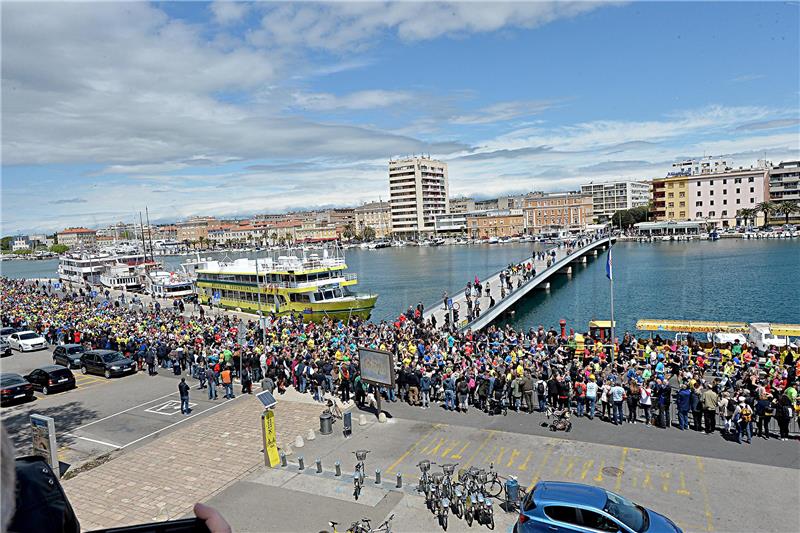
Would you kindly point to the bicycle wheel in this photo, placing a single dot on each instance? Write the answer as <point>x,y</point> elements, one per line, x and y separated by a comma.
<point>490,525</point>
<point>493,488</point>
<point>443,521</point>
<point>468,517</point>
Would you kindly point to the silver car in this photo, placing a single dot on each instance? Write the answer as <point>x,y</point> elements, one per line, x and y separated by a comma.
<point>5,348</point>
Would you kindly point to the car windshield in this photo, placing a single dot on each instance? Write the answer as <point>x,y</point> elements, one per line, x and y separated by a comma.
<point>5,381</point>
<point>111,357</point>
<point>76,349</point>
<point>28,336</point>
<point>627,512</point>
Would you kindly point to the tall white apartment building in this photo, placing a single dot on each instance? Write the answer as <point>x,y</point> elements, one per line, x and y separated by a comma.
<point>418,191</point>
<point>612,196</point>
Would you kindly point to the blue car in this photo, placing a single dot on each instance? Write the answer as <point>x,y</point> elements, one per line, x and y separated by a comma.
<point>558,507</point>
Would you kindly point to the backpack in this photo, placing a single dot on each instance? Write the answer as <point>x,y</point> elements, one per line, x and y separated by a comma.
<point>540,387</point>
<point>746,413</point>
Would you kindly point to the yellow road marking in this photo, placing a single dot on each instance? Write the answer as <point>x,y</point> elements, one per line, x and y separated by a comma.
<point>489,454</point>
<point>599,476</point>
<point>461,451</point>
<point>621,466</point>
<point>558,466</point>
<point>706,505</point>
<point>586,467</point>
<point>682,490</point>
<point>665,476</point>
<point>570,466</point>
<point>427,447</point>
<point>476,452</point>
<point>413,447</point>
<point>514,455</point>
<point>500,455</point>
<point>435,450</point>
<point>524,466</point>
<point>450,448</point>
<point>543,462</point>
<point>647,482</point>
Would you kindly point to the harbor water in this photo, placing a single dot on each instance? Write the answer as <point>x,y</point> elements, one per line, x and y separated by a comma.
<point>730,280</point>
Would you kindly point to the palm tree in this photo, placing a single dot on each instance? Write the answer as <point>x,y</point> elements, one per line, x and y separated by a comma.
<point>767,208</point>
<point>747,214</point>
<point>349,231</point>
<point>787,208</point>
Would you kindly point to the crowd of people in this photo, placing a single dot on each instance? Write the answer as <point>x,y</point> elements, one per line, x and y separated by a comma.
<point>654,382</point>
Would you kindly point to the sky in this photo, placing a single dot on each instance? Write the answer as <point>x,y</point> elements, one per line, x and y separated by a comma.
<point>234,109</point>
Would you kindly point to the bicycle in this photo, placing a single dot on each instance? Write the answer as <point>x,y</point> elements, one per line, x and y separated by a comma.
<point>491,483</point>
<point>424,480</point>
<point>358,476</point>
<point>363,526</point>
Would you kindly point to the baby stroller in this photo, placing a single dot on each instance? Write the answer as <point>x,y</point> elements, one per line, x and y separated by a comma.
<point>560,419</point>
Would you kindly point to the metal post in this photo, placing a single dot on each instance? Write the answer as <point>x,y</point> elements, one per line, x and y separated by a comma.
<point>399,484</point>
<point>338,466</point>
<point>301,463</point>
<point>319,466</point>
<point>377,476</point>
<point>283,459</point>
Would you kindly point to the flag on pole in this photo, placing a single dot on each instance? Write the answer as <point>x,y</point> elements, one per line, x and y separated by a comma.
<point>609,271</point>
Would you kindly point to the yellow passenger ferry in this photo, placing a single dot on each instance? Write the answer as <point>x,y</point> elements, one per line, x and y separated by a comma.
<point>310,282</point>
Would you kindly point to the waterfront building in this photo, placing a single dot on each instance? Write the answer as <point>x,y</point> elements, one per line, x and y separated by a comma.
<point>20,242</point>
<point>39,239</point>
<point>612,196</point>
<point>317,232</point>
<point>196,229</point>
<point>546,213</point>
<point>418,191</point>
<point>375,215</point>
<point>784,186</point>
<point>501,202</point>
<point>669,228</point>
<point>77,236</point>
<point>495,223</point>
<point>451,223</point>
<point>461,205</point>
<point>168,232</point>
<point>713,193</point>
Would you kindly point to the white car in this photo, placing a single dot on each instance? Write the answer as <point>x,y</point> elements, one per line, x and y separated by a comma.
<point>26,341</point>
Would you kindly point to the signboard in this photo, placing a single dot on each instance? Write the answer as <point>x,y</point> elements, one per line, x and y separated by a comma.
<point>267,399</point>
<point>93,294</point>
<point>347,423</point>
<point>56,285</point>
<point>217,298</point>
<point>376,366</point>
<point>271,457</point>
<point>43,430</point>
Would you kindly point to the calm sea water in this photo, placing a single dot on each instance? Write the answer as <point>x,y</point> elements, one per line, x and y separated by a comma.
<point>725,280</point>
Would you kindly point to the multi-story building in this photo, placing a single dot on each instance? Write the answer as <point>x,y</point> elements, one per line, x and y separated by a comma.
<point>461,205</point>
<point>317,232</point>
<point>565,211</point>
<point>784,186</point>
<point>612,196</point>
<point>451,223</point>
<point>501,202</point>
<point>495,223</point>
<point>167,232</point>
<point>77,236</point>
<point>196,228</point>
<point>418,191</point>
<point>375,215</point>
<point>714,193</point>
<point>20,242</point>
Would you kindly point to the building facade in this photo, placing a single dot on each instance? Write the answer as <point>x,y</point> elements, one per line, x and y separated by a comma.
<point>451,223</point>
<point>548,212</point>
<point>20,242</point>
<point>77,236</point>
<point>196,228</point>
<point>375,215</point>
<point>784,186</point>
<point>495,223</point>
<point>612,196</point>
<point>418,191</point>
<point>461,205</point>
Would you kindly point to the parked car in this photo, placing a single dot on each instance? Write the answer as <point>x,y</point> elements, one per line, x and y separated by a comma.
<point>27,341</point>
<point>51,378</point>
<point>573,507</point>
<point>5,348</point>
<point>68,355</point>
<point>106,363</point>
<point>6,332</point>
<point>14,388</point>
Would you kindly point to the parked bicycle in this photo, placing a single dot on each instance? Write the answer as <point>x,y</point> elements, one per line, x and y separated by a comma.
<point>491,483</point>
<point>358,476</point>
<point>364,526</point>
<point>425,480</point>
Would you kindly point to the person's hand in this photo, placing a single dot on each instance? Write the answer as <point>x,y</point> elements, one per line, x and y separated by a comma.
<point>214,521</point>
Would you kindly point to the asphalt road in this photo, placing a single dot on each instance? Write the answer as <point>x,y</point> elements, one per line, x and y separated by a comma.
<point>102,415</point>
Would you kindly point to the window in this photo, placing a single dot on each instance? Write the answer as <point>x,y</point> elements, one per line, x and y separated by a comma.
<point>738,200</point>
<point>711,182</point>
<point>724,191</point>
<point>750,180</point>
<point>711,202</point>
<point>698,193</point>
<point>724,213</point>
<point>562,514</point>
<point>711,193</point>
<point>681,194</point>
<point>712,213</point>
<point>738,190</point>
<point>681,204</point>
<point>737,180</point>
<point>699,214</point>
<point>724,201</point>
<point>752,200</point>
<point>698,204</point>
<point>683,214</point>
<point>752,189</point>
<point>598,521</point>
<point>724,182</point>
<point>671,195</point>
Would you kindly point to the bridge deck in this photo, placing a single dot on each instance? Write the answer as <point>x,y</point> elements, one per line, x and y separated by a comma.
<point>489,314</point>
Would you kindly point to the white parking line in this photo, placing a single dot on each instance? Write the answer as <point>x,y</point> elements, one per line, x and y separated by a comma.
<point>109,444</point>
<point>125,410</point>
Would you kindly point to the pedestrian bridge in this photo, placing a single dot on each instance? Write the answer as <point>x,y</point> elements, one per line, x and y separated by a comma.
<point>562,264</point>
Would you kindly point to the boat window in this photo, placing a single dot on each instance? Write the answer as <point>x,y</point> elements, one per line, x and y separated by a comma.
<point>328,295</point>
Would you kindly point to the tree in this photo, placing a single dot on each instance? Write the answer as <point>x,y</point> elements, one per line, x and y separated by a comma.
<point>5,243</point>
<point>59,248</point>
<point>349,231</point>
<point>26,251</point>
<point>368,234</point>
<point>787,208</point>
<point>767,208</point>
<point>628,217</point>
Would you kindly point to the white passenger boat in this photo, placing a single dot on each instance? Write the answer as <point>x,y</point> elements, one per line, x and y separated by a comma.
<point>163,284</point>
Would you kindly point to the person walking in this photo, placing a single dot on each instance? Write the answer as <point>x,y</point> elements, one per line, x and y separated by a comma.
<point>227,382</point>
<point>684,403</point>
<point>211,376</point>
<point>617,394</point>
<point>709,401</point>
<point>183,390</point>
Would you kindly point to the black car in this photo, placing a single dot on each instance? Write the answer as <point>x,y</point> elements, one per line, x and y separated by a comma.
<point>68,355</point>
<point>51,378</point>
<point>106,363</point>
<point>6,332</point>
<point>14,388</point>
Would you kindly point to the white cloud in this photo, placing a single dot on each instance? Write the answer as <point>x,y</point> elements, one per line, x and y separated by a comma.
<point>229,11</point>
<point>503,111</point>
<point>359,100</point>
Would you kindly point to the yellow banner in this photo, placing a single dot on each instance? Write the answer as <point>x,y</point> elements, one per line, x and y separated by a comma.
<point>270,437</point>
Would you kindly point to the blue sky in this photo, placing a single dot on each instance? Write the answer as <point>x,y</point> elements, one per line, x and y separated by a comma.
<point>239,108</point>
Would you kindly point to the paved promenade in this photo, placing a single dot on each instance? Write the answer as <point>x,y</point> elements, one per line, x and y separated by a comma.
<point>164,478</point>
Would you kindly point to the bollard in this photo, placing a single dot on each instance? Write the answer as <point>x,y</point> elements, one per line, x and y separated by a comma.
<point>377,476</point>
<point>362,420</point>
<point>338,468</point>
<point>298,442</point>
<point>399,484</point>
<point>300,463</point>
<point>319,466</point>
<point>283,459</point>
<point>311,435</point>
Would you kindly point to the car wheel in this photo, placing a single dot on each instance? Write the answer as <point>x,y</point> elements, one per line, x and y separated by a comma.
<point>45,391</point>
<point>107,374</point>
<point>84,370</point>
